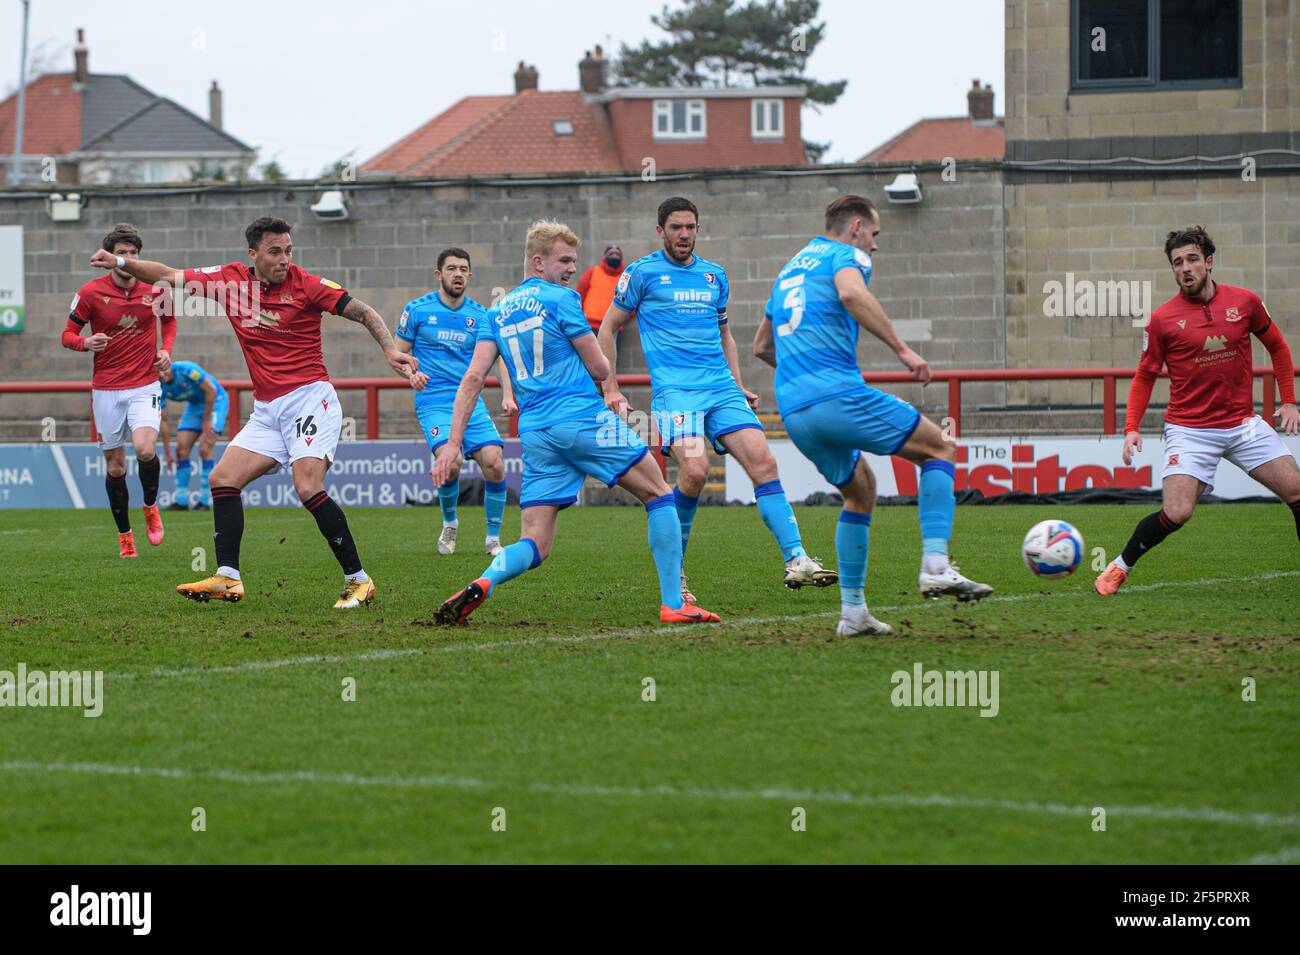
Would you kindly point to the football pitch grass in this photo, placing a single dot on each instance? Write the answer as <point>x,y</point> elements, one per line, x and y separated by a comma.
<point>534,713</point>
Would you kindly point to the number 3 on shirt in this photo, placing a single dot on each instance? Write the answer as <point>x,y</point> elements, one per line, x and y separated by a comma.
<point>793,303</point>
<point>534,325</point>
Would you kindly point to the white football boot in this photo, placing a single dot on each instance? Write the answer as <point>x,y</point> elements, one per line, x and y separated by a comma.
<point>807,572</point>
<point>447,540</point>
<point>950,582</point>
<point>492,545</point>
<point>857,621</point>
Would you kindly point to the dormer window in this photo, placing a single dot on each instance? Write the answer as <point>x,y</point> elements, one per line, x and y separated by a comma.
<point>679,119</point>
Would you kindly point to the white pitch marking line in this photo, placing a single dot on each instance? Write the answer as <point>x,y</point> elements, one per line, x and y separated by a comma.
<point>1258,819</point>
<point>1289,856</point>
<point>254,666</point>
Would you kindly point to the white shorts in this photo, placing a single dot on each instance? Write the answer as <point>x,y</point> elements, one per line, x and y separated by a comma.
<point>1196,451</point>
<point>305,423</point>
<point>119,413</point>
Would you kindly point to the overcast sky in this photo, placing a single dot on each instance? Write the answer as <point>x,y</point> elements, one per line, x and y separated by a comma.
<point>308,82</point>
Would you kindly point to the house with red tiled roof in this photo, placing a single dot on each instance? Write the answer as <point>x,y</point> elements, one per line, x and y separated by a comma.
<point>598,128</point>
<point>977,135</point>
<point>96,128</point>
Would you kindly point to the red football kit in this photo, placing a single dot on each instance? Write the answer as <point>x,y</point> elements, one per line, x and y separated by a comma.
<point>1206,346</point>
<point>278,326</point>
<point>127,316</point>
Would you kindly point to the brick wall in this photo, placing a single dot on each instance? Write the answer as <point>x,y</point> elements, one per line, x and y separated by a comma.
<point>939,271</point>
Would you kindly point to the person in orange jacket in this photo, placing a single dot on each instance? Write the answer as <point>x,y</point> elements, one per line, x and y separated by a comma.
<point>596,287</point>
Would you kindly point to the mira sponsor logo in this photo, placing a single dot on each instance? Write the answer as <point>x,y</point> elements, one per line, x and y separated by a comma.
<point>134,909</point>
<point>922,687</point>
<point>989,469</point>
<point>693,295</point>
<point>1085,298</point>
<point>80,689</point>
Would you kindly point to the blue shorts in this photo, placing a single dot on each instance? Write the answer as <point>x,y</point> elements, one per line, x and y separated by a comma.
<point>558,458</point>
<point>435,425</point>
<point>832,433</point>
<point>683,412</point>
<point>192,417</point>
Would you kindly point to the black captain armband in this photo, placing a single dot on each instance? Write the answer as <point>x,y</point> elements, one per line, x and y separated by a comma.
<point>342,303</point>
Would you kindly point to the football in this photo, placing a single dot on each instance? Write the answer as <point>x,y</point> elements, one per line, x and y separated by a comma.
<point>1052,549</point>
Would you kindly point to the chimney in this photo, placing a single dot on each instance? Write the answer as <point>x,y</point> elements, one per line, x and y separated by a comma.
<point>591,72</point>
<point>525,78</point>
<point>214,105</point>
<point>980,101</point>
<point>81,56</point>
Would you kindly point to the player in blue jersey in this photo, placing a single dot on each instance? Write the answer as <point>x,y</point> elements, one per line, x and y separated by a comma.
<point>697,395</point>
<point>206,408</point>
<point>440,329</point>
<point>539,330</point>
<point>810,335</point>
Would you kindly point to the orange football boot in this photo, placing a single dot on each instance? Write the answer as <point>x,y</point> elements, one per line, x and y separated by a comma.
<point>153,524</point>
<point>457,608</point>
<point>1111,579</point>
<point>126,545</point>
<point>687,613</point>
<point>216,587</point>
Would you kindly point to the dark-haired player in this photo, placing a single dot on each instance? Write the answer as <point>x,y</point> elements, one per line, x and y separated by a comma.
<point>809,333</point>
<point>124,390</point>
<point>275,308</point>
<point>440,329</point>
<point>697,394</point>
<point>1203,335</point>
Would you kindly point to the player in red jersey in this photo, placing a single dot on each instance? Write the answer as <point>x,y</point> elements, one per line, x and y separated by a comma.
<point>275,308</point>
<point>125,393</point>
<point>1203,335</point>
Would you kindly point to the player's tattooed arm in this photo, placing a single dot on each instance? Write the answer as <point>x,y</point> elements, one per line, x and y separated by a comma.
<point>361,313</point>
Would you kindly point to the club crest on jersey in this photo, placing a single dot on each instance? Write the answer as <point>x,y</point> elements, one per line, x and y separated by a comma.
<point>1173,460</point>
<point>286,298</point>
<point>679,419</point>
<point>1233,314</point>
<point>469,321</point>
<point>708,277</point>
<point>433,432</point>
<point>146,300</point>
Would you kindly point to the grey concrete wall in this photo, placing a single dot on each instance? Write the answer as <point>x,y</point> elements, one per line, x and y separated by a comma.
<point>939,272</point>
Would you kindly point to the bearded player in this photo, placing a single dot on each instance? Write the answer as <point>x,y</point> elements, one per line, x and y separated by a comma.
<point>681,301</point>
<point>1203,335</point>
<point>539,330</point>
<point>125,395</point>
<point>275,308</point>
<point>440,329</point>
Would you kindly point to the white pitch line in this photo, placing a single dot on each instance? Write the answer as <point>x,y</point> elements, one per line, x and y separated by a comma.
<point>1289,856</point>
<point>776,793</point>
<point>254,666</point>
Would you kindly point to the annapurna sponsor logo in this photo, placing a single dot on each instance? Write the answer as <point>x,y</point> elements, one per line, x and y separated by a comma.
<point>103,908</point>
<point>923,687</point>
<point>82,689</point>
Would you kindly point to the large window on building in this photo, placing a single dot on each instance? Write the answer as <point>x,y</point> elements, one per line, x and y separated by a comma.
<point>679,119</point>
<point>1119,45</point>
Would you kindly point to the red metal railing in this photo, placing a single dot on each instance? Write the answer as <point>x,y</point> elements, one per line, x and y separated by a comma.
<point>372,386</point>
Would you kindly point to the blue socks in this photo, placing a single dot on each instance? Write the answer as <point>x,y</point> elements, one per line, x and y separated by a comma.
<point>448,498</point>
<point>686,507</point>
<point>666,536</point>
<point>851,538</point>
<point>183,478</point>
<point>779,518</point>
<point>205,479</point>
<point>520,557</point>
<point>935,507</point>
<point>494,506</point>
